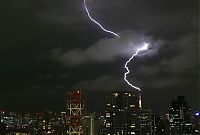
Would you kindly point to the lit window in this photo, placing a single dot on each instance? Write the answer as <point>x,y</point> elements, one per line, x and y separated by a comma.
<point>132,126</point>
<point>107,115</point>
<point>107,124</point>
<point>115,94</point>
<point>108,104</point>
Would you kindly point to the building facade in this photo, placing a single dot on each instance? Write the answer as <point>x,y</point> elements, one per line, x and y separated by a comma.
<point>180,117</point>
<point>121,115</point>
<point>75,112</point>
<point>145,121</point>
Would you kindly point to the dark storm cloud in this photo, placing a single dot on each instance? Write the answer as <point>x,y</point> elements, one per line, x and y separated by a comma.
<point>60,16</point>
<point>111,83</point>
<point>105,50</point>
<point>159,16</point>
<point>180,69</point>
<point>173,66</point>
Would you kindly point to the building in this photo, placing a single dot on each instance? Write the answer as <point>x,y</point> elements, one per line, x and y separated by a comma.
<point>196,123</point>
<point>180,117</point>
<point>121,114</point>
<point>74,113</point>
<point>160,124</point>
<point>145,121</point>
<point>91,124</point>
<point>2,128</point>
<point>102,123</point>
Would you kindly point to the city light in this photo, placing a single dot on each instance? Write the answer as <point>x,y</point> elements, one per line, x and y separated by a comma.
<point>197,113</point>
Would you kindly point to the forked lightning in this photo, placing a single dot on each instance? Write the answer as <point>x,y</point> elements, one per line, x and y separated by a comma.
<point>143,48</point>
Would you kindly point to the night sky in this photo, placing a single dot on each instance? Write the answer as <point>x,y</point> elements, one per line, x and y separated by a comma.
<point>49,47</point>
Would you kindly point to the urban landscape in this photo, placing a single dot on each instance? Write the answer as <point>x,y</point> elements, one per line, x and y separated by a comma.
<point>124,115</point>
<point>99,67</point>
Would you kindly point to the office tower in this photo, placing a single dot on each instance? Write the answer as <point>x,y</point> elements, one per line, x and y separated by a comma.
<point>91,124</point>
<point>102,126</point>
<point>160,124</point>
<point>74,114</point>
<point>145,121</point>
<point>180,117</point>
<point>44,123</point>
<point>121,114</point>
<point>196,123</point>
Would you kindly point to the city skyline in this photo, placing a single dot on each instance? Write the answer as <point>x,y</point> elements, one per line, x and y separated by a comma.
<point>51,47</point>
<point>123,114</point>
<point>139,101</point>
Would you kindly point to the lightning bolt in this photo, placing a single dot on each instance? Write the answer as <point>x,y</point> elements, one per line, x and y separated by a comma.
<point>88,13</point>
<point>145,47</point>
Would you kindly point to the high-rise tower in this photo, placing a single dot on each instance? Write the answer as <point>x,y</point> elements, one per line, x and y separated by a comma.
<point>74,115</point>
<point>180,117</point>
<point>121,115</point>
<point>145,122</point>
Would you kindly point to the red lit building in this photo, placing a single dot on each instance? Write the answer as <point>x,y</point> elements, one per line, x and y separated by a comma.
<point>74,112</point>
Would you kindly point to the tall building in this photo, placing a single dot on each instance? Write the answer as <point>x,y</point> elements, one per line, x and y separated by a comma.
<point>121,114</point>
<point>102,126</point>
<point>91,124</point>
<point>196,123</point>
<point>180,117</point>
<point>145,121</point>
<point>74,114</point>
<point>45,123</point>
<point>160,124</point>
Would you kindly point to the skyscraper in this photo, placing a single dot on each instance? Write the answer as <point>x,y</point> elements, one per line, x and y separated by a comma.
<point>145,121</point>
<point>160,124</point>
<point>196,123</point>
<point>74,114</point>
<point>121,115</point>
<point>92,124</point>
<point>180,117</point>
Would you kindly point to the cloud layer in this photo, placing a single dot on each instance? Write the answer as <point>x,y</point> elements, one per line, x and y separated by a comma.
<point>105,50</point>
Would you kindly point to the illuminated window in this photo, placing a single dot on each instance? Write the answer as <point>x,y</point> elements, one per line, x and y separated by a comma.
<point>107,115</point>
<point>132,126</point>
<point>115,94</point>
<point>107,124</point>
